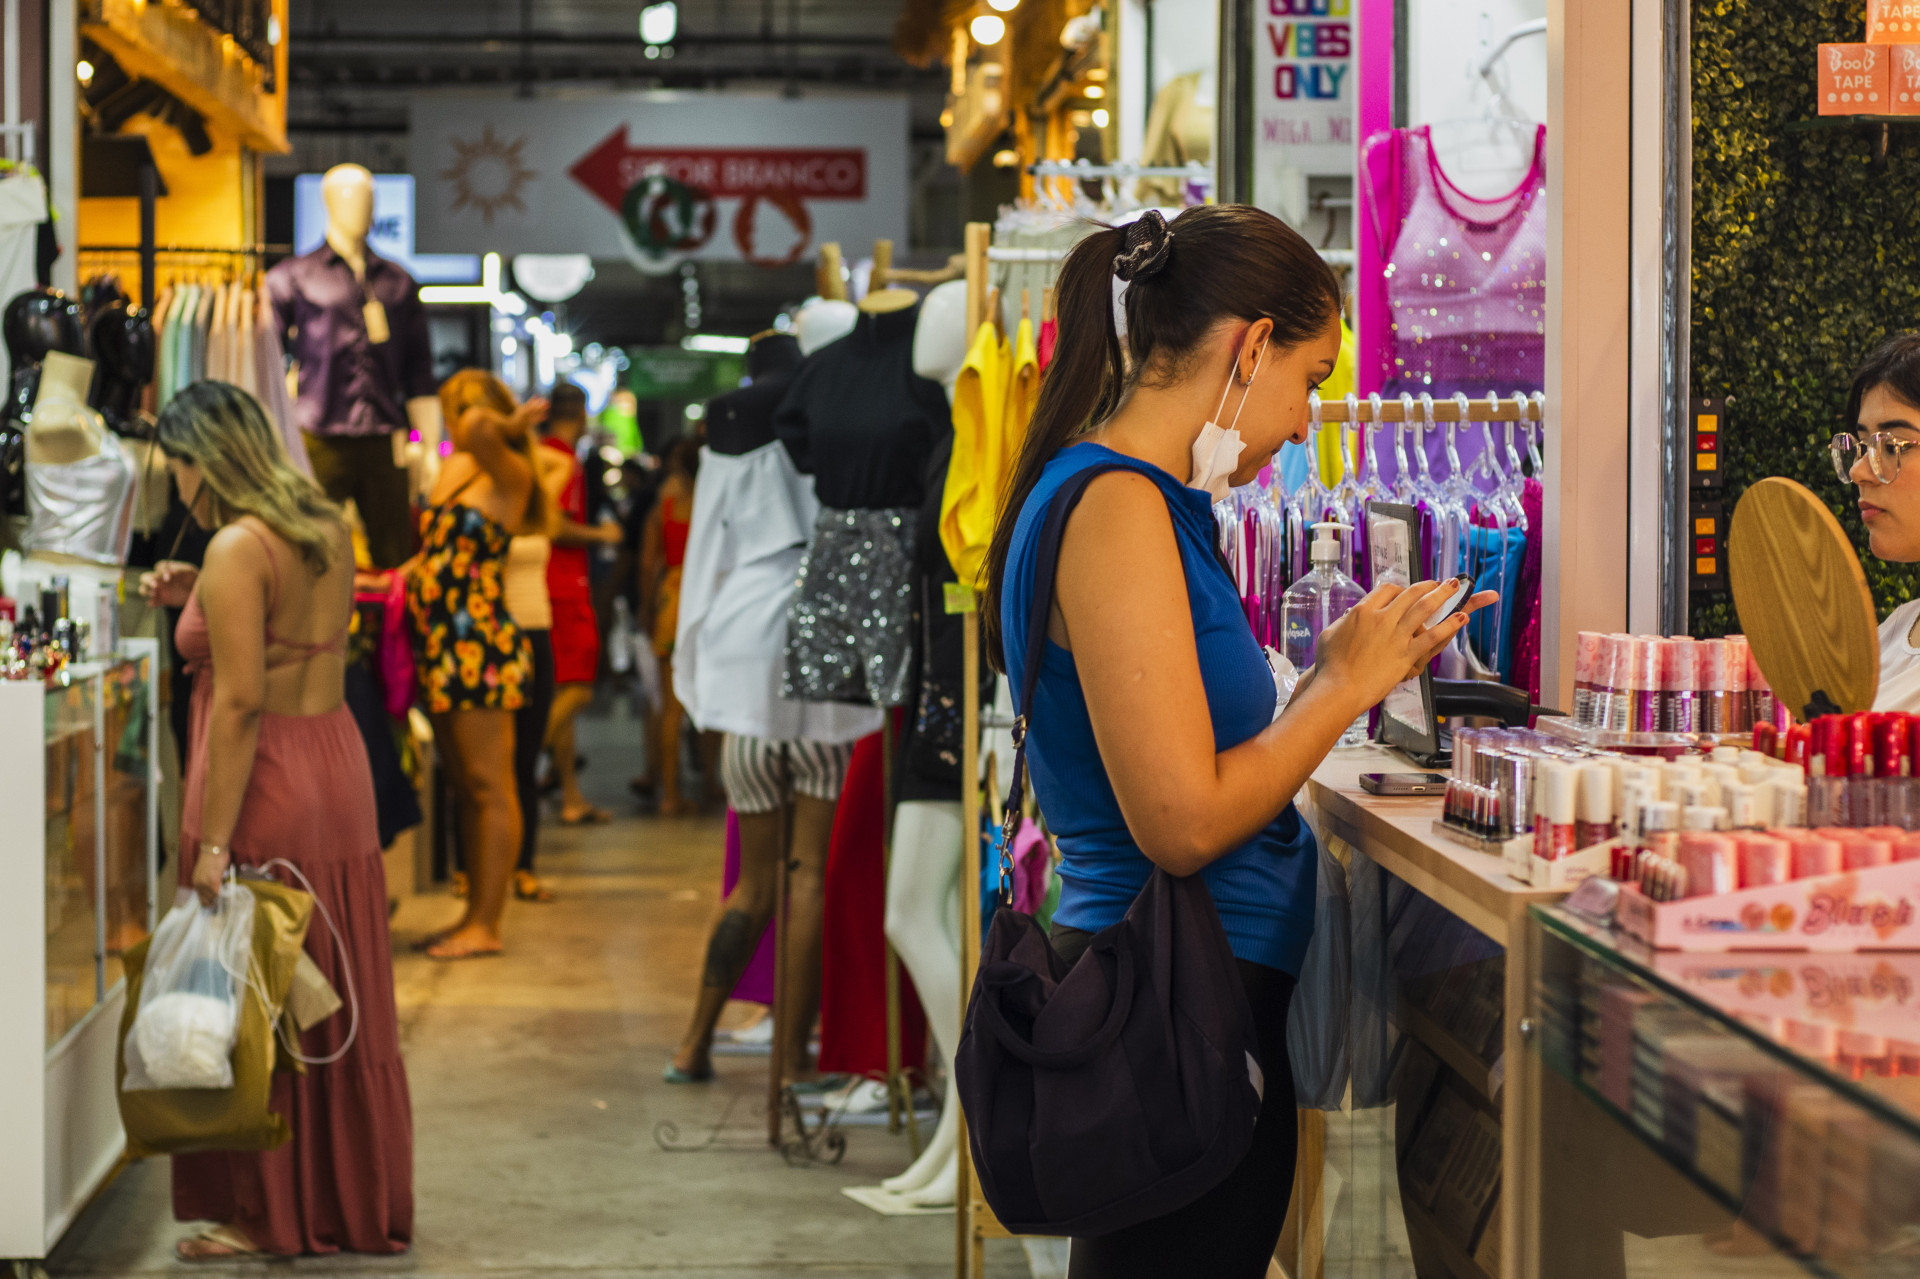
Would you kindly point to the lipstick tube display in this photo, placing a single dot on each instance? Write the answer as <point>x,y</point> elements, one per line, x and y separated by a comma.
<point>1710,676</point>
<point>1644,679</point>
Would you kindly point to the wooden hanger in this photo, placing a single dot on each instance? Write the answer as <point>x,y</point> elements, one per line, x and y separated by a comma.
<point>1046,304</point>
<point>1026,305</point>
<point>880,300</point>
<point>994,312</point>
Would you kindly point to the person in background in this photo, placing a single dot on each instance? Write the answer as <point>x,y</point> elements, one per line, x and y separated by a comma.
<point>576,627</point>
<point>278,777</point>
<point>527,599</point>
<point>663,549</point>
<point>1883,424</point>
<point>640,479</point>
<point>473,662</point>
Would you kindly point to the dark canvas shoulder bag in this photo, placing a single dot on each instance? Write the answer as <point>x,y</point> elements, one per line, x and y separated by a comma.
<point>1127,1086</point>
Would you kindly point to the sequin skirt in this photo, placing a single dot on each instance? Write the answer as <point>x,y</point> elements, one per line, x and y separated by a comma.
<point>850,628</point>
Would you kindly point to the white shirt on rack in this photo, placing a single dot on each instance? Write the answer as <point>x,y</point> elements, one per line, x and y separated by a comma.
<point>1899,662</point>
<point>752,516</point>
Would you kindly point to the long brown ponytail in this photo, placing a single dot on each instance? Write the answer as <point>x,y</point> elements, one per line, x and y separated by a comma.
<point>1212,263</point>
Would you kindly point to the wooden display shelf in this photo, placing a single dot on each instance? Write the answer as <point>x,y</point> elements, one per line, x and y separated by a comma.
<point>1396,832</point>
<point>1483,1079</point>
<point>1457,1260</point>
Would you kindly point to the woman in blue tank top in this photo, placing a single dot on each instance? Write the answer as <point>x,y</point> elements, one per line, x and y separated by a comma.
<point>1153,739</point>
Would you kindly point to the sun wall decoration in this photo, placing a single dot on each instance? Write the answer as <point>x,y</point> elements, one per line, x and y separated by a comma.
<point>488,174</point>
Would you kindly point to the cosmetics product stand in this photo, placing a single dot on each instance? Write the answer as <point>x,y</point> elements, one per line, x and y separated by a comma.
<point>82,820</point>
<point>1770,1102</point>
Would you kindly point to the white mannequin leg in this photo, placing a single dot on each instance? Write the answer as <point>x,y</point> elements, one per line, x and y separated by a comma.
<point>923,923</point>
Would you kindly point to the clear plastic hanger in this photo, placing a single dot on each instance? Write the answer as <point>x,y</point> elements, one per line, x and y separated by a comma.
<point>1536,425</point>
<point>1403,474</point>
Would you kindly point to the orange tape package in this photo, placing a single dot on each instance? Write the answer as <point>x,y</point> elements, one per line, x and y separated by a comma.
<point>1854,79</point>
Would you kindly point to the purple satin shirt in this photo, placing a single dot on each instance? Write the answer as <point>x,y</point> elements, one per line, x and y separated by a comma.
<point>349,385</point>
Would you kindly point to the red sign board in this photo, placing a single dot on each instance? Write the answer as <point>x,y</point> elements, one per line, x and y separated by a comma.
<point>792,173</point>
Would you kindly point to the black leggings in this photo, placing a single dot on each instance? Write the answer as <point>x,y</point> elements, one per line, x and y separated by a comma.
<point>529,735</point>
<point>1231,1231</point>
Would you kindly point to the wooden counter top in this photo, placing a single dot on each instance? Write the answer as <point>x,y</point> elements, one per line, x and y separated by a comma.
<point>1398,834</point>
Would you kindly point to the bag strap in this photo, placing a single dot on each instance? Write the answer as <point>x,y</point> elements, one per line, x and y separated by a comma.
<point>1046,559</point>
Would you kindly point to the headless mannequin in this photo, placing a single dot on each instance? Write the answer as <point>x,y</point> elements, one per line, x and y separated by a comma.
<point>923,878</point>
<point>804,827</point>
<point>347,190</point>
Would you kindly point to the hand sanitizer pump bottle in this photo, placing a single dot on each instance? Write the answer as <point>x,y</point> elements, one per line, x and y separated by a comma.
<point>1317,601</point>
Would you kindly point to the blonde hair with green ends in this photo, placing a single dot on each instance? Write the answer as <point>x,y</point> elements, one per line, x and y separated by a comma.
<point>477,388</point>
<point>245,470</point>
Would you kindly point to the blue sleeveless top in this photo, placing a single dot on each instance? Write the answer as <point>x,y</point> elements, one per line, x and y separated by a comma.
<point>1264,889</point>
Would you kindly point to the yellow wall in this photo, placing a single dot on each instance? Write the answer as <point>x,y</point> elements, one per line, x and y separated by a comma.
<point>206,205</point>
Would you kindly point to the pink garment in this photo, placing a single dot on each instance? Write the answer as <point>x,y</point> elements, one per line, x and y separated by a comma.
<point>1465,278</point>
<point>756,983</point>
<point>1526,635</point>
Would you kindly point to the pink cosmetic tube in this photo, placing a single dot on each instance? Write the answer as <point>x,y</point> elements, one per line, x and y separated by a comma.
<point>1618,694</point>
<point>1765,860</point>
<point>1815,855</point>
<point>1710,684</point>
<point>1645,682</point>
<point>1739,705</point>
<point>1586,671</point>
<point>1677,679</point>
<point>1711,861</point>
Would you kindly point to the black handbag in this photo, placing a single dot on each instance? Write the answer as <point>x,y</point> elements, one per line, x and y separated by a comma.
<point>1125,1087</point>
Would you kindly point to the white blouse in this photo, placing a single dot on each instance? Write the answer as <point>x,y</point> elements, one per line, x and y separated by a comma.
<point>1899,663</point>
<point>752,516</point>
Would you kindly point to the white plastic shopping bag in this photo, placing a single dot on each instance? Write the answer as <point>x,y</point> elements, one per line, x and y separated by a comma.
<point>196,975</point>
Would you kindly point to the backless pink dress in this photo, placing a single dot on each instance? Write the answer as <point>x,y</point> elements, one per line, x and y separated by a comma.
<point>345,1181</point>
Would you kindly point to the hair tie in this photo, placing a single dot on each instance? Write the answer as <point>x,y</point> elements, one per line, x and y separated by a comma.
<point>1145,248</point>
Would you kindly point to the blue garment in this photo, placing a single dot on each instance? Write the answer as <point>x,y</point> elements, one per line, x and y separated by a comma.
<point>1264,889</point>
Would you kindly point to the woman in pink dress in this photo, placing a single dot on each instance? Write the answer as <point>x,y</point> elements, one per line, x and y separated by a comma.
<point>278,772</point>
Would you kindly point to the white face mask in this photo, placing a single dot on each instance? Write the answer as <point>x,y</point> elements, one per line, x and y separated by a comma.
<point>1216,453</point>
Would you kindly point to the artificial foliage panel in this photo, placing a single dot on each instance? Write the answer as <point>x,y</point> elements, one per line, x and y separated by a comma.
<point>1806,252</point>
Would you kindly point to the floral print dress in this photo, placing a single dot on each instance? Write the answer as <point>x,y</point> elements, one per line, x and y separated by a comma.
<point>468,651</point>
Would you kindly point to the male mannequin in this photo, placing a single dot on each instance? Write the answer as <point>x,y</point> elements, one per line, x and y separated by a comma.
<point>353,323</point>
<point>923,879</point>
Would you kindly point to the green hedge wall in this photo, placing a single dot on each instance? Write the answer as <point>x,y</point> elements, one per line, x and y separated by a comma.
<point>1806,252</point>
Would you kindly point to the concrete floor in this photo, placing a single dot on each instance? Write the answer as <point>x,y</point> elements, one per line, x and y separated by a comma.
<point>537,1093</point>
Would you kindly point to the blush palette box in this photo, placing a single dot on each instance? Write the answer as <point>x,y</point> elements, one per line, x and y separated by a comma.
<point>1873,909</point>
<point>1893,21</point>
<point>1854,79</point>
<point>1903,86</point>
<point>1866,994</point>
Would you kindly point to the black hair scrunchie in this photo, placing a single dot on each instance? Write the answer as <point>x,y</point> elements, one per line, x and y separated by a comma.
<point>1147,245</point>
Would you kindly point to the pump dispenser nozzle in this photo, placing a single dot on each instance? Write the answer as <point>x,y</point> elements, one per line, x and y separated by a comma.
<point>1326,542</point>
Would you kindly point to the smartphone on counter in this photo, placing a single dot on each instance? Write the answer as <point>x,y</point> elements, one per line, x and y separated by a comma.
<point>1404,783</point>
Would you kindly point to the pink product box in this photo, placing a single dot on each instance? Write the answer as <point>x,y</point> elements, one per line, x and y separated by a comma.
<point>1877,908</point>
<point>1864,994</point>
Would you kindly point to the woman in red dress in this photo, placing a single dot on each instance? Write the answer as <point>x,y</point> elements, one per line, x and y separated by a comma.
<point>278,773</point>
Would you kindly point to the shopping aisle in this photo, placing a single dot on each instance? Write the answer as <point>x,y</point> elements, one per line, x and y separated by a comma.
<point>536,1092</point>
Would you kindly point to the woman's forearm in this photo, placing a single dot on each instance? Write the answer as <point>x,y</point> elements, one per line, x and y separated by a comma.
<point>233,735</point>
<point>1250,785</point>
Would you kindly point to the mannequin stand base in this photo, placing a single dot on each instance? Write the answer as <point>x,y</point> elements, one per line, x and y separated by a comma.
<point>818,1142</point>
<point>666,1135</point>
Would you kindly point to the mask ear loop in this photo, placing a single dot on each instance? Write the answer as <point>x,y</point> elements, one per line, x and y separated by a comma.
<point>1257,359</point>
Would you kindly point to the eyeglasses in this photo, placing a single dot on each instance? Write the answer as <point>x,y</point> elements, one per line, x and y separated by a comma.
<point>1882,451</point>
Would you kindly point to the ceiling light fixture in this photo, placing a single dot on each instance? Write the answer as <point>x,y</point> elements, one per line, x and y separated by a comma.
<point>1100,117</point>
<point>1004,6</point>
<point>659,23</point>
<point>85,71</point>
<point>987,29</point>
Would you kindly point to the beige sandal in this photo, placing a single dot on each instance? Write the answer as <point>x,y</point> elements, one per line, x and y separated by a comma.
<point>216,1243</point>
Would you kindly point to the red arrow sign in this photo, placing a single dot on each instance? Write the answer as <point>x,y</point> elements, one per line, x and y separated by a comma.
<point>804,173</point>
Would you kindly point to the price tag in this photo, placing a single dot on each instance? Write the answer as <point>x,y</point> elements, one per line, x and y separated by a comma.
<point>376,318</point>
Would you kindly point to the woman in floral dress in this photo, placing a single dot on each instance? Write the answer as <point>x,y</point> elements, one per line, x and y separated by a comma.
<point>474,664</point>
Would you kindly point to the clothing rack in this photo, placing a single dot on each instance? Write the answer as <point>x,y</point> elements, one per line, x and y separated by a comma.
<point>1510,408</point>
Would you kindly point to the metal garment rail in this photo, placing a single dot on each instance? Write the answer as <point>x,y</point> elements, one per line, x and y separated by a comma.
<point>1418,409</point>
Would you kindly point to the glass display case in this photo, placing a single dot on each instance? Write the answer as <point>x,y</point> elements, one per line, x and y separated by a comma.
<point>1715,1114</point>
<point>82,823</point>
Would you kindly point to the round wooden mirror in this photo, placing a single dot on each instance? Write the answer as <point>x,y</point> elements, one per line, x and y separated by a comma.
<point>1803,600</point>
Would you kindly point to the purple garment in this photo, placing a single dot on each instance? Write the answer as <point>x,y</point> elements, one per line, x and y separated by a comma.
<point>756,983</point>
<point>348,384</point>
<point>1465,279</point>
<point>270,372</point>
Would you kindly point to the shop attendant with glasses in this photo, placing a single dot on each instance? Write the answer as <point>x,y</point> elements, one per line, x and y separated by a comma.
<point>1884,407</point>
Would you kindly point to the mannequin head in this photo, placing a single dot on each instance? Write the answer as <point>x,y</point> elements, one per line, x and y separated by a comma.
<point>348,192</point>
<point>940,334</point>
<point>822,321</point>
